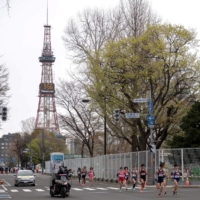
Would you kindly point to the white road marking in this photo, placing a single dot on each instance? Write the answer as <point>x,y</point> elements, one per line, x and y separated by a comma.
<point>89,189</point>
<point>102,188</point>
<point>2,191</point>
<point>4,187</point>
<point>14,190</point>
<point>8,184</point>
<point>112,188</point>
<point>78,189</point>
<point>39,190</point>
<point>27,190</point>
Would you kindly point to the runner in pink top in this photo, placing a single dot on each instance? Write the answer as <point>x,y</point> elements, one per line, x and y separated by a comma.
<point>121,175</point>
<point>91,176</point>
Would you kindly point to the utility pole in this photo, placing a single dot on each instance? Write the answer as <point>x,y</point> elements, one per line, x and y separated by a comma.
<point>42,150</point>
<point>105,142</point>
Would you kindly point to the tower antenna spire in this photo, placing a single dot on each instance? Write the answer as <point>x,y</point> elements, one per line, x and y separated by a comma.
<point>47,12</point>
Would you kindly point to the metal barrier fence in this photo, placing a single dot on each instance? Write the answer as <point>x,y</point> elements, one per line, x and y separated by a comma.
<point>107,166</point>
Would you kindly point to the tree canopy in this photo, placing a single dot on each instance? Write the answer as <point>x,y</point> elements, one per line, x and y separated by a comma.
<point>163,61</point>
<point>190,126</point>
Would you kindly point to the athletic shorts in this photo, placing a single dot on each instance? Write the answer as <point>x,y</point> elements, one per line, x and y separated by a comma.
<point>126,178</point>
<point>83,176</point>
<point>91,176</point>
<point>177,179</point>
<point>143,178</point>
<point>160,180</point>
<point>121,179</point>
<point>135,178</point>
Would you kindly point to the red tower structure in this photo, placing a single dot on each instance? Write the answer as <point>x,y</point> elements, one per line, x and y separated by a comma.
<point>46,113</point>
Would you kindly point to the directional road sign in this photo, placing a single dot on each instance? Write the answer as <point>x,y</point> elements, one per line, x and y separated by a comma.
<point>141,100</point>
<point>150,106</point>
<point>151,121</point>
<point>132,115</point>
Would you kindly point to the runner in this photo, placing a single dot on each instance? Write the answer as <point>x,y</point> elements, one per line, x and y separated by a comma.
<point>121,176</point>
<point>79,175</point>
<point>91,176</point>
<point>127,174</point>
<point>165,179</point>
<point>134,175</point>
<point>83,175</point>
<point>159,177</point>
<point>70,174</point>
<point>143,176</point>
<point>176,173</point>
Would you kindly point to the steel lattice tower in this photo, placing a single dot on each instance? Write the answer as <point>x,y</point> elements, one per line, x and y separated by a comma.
<point>46,113</point>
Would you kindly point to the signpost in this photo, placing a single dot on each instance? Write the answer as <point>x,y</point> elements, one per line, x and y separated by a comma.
<point>150,106</point>
<point>151,121</point>
<point>132,115</point>
<point>141,100</point>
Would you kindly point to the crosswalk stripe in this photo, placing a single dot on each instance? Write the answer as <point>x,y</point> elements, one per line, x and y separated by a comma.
<point>112,188</point>
<point>27,190</point>
<point>14,190</point>
<point>39,190</point>
<point>102,188</point>
<point>2,191</point>
<point>89,189</point>
<point>78,189</point>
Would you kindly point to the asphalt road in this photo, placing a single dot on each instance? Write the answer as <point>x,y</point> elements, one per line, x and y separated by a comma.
<point>100,191</point>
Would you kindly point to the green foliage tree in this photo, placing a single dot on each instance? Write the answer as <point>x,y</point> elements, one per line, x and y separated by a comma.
<point>51,144</point>
<point>164,61</point>
<point>191,130</point>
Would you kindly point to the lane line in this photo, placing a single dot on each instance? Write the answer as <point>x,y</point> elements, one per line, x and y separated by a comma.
<point>8,184</point>
<point>4,187</point>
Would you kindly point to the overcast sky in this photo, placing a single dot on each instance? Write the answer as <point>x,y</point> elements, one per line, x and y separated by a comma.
<point>21,40</point>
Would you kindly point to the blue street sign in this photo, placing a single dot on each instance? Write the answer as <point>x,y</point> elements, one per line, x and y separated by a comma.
<point>150,106</point>
<point>151,121</point>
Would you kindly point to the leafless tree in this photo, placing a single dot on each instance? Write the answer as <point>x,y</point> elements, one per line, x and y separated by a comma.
<point>77,119</point>
<point>4,86</point>
<point>28,125</point>
<point>87,34</point>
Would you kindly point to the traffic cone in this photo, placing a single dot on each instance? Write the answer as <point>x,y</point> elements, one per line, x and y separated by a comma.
<point>187,182</point>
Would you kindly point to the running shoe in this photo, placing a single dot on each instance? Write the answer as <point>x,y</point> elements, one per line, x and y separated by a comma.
<point>120,191</point>
<point>133,188</point>
<point>174,192</point>
<point>160,195</point>
<point>126,188</point>
<point>165,193</point>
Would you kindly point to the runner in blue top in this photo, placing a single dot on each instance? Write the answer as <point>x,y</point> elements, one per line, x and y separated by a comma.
<point>176,174</point>
<point>159,177</point>
<point>134,176</point>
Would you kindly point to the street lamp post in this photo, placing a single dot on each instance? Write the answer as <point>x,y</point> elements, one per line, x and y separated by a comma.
<point>105,142</point>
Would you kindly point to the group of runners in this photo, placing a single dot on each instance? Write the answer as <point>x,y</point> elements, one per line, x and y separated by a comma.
<point>83,173</point>
<point>137,176</point>
<point>140,176</point>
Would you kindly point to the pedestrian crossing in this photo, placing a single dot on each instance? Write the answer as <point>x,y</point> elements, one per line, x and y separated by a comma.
<point>72,189</point>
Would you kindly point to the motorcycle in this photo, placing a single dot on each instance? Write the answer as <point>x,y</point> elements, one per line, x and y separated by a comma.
<point>60,187</point>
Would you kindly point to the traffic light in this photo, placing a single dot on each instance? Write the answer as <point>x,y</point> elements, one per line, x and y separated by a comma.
<point>4,113</point>
<point>117,115</point>
<point>152,148</point>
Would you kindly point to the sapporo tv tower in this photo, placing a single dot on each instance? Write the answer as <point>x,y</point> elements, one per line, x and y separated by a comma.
<point>46,113</point>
